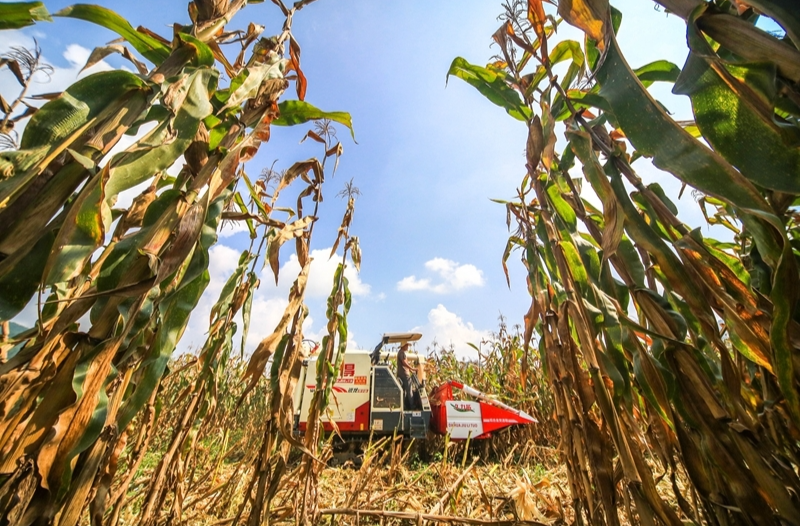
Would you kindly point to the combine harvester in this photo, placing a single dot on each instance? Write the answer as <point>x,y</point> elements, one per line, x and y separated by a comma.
<point>367,399</point>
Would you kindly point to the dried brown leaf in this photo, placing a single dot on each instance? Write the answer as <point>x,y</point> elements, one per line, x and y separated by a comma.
<point>294,229</point>
<point>591,16</point>
<point>99,53</point>
<point>535,145</point>
<point>13,65</point>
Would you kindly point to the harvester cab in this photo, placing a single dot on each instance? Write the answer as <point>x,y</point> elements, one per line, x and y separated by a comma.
<point>367,396</point>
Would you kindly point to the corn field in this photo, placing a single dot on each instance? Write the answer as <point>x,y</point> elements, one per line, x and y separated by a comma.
<point>662,365</point>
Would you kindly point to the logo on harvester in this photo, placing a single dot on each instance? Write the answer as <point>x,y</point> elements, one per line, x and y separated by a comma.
<point>463,408</point>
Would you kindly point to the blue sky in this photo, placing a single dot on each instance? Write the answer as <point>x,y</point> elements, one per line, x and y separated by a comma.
<point>429,157</point>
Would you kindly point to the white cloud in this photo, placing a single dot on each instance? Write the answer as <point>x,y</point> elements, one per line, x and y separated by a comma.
<point>320,277</point>
<point>412,283</point>
<point>451,275</point>
<point>76,55</point>
<point>264,316</point>
<point>222,261</point>
<point>448,329</point>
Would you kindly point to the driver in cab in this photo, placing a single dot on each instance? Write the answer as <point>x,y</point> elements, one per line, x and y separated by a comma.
<point>404,370</point>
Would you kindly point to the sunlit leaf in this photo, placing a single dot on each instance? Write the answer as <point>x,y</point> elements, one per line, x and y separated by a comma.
<point>75,107</point>
<point>152,49</point>
<point>658,71</point>
<point>733,109</point>
<point>297,112</point>
<point>588,15</point>
<point>155,152</point>
<point>14,15</point>
<point>82,232</point>
<point>491,84</point>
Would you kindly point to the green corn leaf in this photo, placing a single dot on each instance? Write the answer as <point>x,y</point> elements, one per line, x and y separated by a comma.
<point>682,308</point>
<point>52,128</point>
<point>658,71</point>
<point>659,191</point>
<point>151,48</point>
<point>245,85</point>
<point>562,208</point>
<point>491,84</point>
<point>21,274</point>
<point>716,250</point>
<point>651,383</point>
<point>581,146</point>
<point>348,298</point>
<point>123,257</point>
<point>14,15</point>
<point>668,263</point>
<point>154,152</point>
<point>254,195</point>
<point>583,99</point>
<point>735,115</point>
<point>564,50</point>
<point>297,112</point>
<point>82,232</point>
<point>613,372</point>
<point>174,311</point>
<point>576,267</point>
<point>28,225</point>
<point>739,332</point>
<point>175,317</point>
<point>650,215</point>
<point>143,318</point>
<point>547,248</point>
<point>204,57</point>
<point>237,198</point>
<point>219,131</point>
<point>784,294</point>
<point>653,133</point>
<point>614,351</point>
<point>589,256</point>
<point>18,163</point>
<point>80,103</point>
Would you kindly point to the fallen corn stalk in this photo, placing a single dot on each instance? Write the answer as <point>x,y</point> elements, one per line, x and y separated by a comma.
<point>408,515</point>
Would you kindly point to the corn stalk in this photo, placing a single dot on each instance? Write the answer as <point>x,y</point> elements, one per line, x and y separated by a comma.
<point>671,356</point>
<point>113,288</point>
